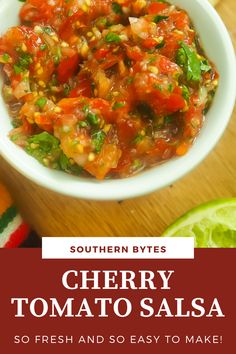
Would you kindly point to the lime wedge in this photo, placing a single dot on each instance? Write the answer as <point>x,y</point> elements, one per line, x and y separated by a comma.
<point>213,225</point>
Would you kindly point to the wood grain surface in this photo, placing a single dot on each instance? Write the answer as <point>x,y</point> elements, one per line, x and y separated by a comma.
<point>51,214</point>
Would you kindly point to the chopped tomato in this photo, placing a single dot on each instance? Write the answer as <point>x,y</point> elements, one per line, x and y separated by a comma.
<point>103,107</point>
<point>182,149</point>
<point>68,105</point>
<point>104,162</point>
<point>67,68</point>
<point>180,19</point>
<point>83,87</point>
<point>100,104</point>
<point>134,53</point>
<point>175,103</point>
<point>128,129</point>
<point>37,10</point>
<point>166,66</point>
<point>44,122</point>
<point>68,28</point>
<point>161,150</point>
<point>149,43</point>
<point>156,7</point>
<point>16,36</point>
<point>101,53</point>
<point>172,44</point>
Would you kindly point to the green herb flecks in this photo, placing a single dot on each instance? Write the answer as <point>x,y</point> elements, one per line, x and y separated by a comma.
<point>57,56</point>
<point>118,105</point>
<point>93,119</point>
<point>98,139</point>
<point>47,30</point>
<point>66,89</point>
<point>23,63</point>
<point>188,60</point>
<point>43,47</point>
<point>205,66</point>
<point>85,109</point>
<point>68,165</point>
<point>157,87</point>
<point>6,57</point>
<point>117,8</point>
<point>138,139</point>
<point>17,69</point>
<point>168,120</point>
<point>159,18</point>
<point>130,80</point>
<point>170,88</point>
<point>112,37</point>
<point>44,147</point>
<point>137,165</point>
<point>83,124</point>
<point>41,102</point>
<point>185,93</point>
<point>161,44</point>
<point>152,60</point>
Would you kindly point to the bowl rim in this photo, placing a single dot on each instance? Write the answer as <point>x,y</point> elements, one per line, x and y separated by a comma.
<point>143,183</point>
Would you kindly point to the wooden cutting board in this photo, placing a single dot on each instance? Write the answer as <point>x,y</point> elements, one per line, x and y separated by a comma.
<point>214,2</point>
<point>55,215</point>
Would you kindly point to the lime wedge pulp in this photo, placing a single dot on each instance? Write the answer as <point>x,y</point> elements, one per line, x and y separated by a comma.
<point>213,225</point>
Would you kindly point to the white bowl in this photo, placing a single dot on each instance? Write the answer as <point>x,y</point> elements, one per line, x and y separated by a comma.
<point>218,46</point>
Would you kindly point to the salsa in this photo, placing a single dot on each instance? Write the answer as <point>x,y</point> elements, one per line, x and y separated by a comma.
<point>105,88</point>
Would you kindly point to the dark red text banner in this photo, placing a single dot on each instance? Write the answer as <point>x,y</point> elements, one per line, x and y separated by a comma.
<point>25,275</point>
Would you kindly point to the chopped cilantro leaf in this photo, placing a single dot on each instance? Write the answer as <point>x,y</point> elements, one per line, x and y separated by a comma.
<point>118,105</point>
<point>117,8</point>
<point>188,60</point>
<point>41,102</point>
<point>159,18</point>
<point>112,37</point>
<point>92,118</point>
<point>98,139</point>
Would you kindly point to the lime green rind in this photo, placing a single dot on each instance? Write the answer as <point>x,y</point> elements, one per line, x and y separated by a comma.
<point>213,225</point>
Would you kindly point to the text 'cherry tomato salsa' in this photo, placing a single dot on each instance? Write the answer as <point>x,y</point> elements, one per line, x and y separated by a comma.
<point>105,88</point>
